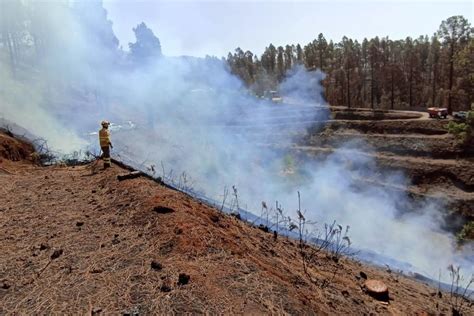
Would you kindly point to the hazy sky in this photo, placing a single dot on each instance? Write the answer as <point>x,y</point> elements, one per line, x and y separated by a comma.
<point>199,27</point>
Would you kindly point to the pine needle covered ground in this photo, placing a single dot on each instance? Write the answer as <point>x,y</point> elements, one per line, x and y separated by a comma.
<point>75,240</point>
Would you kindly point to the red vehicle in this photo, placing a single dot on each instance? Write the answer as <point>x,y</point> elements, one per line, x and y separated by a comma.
<point>438,112</point>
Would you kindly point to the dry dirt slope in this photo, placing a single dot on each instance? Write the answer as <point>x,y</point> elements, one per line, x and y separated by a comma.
<point>74,242</point>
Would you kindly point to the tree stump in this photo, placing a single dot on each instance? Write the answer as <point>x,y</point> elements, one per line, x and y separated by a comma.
<point>377,289</point>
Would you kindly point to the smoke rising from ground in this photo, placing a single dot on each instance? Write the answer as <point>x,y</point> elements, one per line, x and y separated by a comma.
<point>191,115</point>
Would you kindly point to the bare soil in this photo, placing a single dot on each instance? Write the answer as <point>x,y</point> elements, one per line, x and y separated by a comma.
<point>13,148</point>
<point>75,240</point>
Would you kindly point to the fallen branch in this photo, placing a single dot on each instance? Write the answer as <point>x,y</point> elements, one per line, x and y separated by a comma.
<point>5,170</point>
<point>130,175</point>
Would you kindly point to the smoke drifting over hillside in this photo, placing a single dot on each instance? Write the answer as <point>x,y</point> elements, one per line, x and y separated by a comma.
<point>191,115</point>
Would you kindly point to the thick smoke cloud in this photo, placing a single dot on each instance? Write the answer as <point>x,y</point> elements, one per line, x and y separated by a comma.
<point>191,115</point>
<point>24,103</point>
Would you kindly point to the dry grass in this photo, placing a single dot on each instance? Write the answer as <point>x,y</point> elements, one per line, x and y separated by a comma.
<point>109,235</point>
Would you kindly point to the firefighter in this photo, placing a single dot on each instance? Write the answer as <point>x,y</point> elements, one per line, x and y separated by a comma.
<point>105,143</point>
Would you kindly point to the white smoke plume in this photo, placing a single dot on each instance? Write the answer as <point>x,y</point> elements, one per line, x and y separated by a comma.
<point>191,115</point>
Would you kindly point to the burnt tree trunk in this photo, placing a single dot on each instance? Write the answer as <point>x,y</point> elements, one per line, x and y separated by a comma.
<point>11,52</point>
<point>451,74</point>
<point>321,60</point>
<point>372,85</point>
<point>348,88</point>
<point>343,95</point>
<point>392,96</point>
<point>433,87</point>
<point>410,88</point>
<point>364,92</point>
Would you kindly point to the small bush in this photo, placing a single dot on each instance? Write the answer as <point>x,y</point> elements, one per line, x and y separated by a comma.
<point>470,118</point>
<point>462,131</point>
<point>288,164</point>
<point>460,297</point>
<point>467,233</point>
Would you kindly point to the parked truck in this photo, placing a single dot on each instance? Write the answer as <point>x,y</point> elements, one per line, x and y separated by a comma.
<point>438,112</point>
<point>460,115</point>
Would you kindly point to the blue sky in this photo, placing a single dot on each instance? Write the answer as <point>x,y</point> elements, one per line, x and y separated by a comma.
<point>197,28</point>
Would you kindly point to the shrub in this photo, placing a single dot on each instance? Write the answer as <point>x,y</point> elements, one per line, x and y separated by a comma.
<point>467,233</point>
<point>288,163</point>
<point>470,118</point>
<point>462,131</point>
<point>460,297</point>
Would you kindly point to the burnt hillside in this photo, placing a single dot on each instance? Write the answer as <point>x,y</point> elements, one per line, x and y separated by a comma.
<point>77,240</point>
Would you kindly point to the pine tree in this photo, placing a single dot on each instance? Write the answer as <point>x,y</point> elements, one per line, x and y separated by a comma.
<point>455,33</point>
<point>146,47</point>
